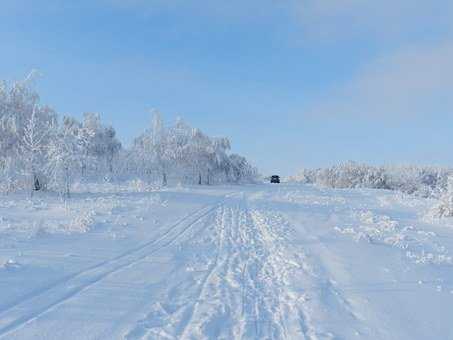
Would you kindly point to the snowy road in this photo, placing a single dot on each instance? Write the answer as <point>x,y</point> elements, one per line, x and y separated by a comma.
<point>252,262</point>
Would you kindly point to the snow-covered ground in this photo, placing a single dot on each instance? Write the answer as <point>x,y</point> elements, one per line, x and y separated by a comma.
<point>238,262</point>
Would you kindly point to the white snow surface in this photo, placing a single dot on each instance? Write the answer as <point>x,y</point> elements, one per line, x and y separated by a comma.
<point>285,261</point>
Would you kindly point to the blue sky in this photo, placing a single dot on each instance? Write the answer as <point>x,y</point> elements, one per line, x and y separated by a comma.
<point>292,83</point>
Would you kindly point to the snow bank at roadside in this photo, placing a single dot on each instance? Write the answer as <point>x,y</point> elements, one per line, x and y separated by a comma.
<point>25,217</point>
<point>419,245</point>
<point>133,185</point>
<point>9,264</point>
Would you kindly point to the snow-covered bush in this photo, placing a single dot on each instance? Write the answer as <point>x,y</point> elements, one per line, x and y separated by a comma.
<point>82,223</point>
<point>421,181</point>
<point>445,206</point>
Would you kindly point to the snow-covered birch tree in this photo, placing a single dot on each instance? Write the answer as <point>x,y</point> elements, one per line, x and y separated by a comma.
<point>33,149</point>
<point>65,156</point>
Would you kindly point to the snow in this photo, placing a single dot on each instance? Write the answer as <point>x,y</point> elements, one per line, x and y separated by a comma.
<point>287,261</point>
<point>41,150</point>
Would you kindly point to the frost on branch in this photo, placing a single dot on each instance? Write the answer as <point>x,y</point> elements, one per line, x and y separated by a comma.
<point>39,151</point>
<point>445,206</point>
<point>421,181</point>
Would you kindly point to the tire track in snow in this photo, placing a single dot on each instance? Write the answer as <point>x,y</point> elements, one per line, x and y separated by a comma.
<point>221,267</point>
<point>36,305</point>
<point>65,279</point>
<point>205,281</point>
<point>141,331</point>
<point>266,317</point>
<point>244,292</point>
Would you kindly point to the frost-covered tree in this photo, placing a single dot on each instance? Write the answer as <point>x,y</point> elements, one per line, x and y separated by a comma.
<point>24,134</point>
<point>185,154</point>
<point>200,151</point>
<point>445,206</point>
<point>112,147</point>
<point>157,127</point>
<point>160,145</point>
<point>422,181</point>
<point>241,170</point>
<point>148,149</point>
<point>99,146</point>
<point>36,134</point>
<point>38,150</point>
<point>65,156</point>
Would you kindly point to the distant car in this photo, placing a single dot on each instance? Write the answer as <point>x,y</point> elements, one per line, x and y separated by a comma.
<point>275,179</point>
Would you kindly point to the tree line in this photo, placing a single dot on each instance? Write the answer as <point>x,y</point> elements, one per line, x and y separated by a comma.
<point>39,150</point>
<point>423,181</point>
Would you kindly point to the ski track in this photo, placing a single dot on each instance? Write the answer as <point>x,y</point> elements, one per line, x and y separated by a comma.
<point>37,304</point>
<point>244,268</point>
<point>244,293</point>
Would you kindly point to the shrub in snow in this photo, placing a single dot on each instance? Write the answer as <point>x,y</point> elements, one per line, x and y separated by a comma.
<point>81,223</point>
<point>419,245</point>
<point>445,206</point>
<point>422,181</point>
<point>139,185</point>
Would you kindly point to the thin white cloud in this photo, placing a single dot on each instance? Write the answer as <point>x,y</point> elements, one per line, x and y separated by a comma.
<point>412,81</point>
<point>384,18</point>
<point>323,20</point>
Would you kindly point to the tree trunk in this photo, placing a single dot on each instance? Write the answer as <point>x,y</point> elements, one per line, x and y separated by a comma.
<point>67,184</point>
<point>164,179</point>
<point>36,184</point>
<point>199,179</point>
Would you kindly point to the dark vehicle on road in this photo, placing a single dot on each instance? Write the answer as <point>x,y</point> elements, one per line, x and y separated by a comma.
<point>275,179</point>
